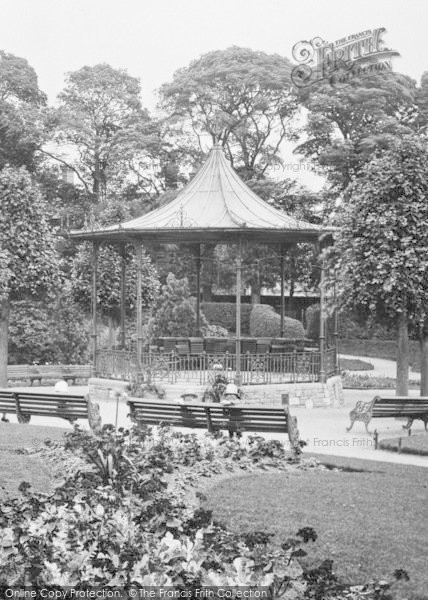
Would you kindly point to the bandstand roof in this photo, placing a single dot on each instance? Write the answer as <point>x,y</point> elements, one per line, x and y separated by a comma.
<point>215,206</point>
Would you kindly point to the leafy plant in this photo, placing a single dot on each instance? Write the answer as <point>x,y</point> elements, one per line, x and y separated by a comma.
<point>265,322</point>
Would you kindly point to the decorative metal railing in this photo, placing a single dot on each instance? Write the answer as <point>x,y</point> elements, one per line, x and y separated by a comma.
<point>289,367</point>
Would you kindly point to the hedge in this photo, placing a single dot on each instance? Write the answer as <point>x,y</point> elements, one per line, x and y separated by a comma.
<point>265,322</point>
<point>350,326</point>
<point>223,314</point>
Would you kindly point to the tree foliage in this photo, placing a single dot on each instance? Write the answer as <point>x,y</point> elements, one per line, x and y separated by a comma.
<point>237,96</point>
<point>55,333</point>
<point>382,247</point>
<point>174,312</point>
<point>27,242</point>
<point>109,269</point>
<point>21,124</point>
<point>347,124</point>
<point>100,109</point>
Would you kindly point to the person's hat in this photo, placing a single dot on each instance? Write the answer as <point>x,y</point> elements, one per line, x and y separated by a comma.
<point>189,395</point>
<point>231,389</point>
<point>61,387</point>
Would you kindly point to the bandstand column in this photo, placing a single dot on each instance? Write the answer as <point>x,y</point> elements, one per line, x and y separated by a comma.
<point>322,323</point>
<point>138,255</point>
<point>95,249</point>
<point>281,259</point>
<point>336,328</point>
<point>238,378</point>
<point>198,289</point>
<point>122,296</point>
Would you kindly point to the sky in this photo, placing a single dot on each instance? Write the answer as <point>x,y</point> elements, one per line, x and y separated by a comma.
<point>151,39</point>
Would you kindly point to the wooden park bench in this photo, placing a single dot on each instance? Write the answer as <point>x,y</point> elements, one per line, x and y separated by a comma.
<point>63,406</point>
<point>39,372</point>
<point>410,408</point>
<point>215,417</point>
<point>18,372</point>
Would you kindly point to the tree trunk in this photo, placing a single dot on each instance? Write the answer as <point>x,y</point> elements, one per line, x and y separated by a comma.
<point>255,294</point>
<point>402,388</point>
<point>207,291</point>
<point>207,272</point>
<point>4,330</point>
<point>111,333</point>
<point>424,362</point>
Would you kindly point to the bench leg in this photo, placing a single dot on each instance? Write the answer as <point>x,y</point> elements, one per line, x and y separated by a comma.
<point>366,423</point>
<point>353,419</point>
<point>23,418</point>
<point>409,424</point>
<point>4,418</point>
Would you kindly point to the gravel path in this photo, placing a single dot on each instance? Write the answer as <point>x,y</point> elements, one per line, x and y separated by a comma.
<point>323,429</point>
<point>382,367</point>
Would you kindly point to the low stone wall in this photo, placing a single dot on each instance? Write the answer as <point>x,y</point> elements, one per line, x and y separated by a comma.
<point>309,395</point>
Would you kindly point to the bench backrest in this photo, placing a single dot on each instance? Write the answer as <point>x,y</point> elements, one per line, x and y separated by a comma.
<point>210,416</point>
<point>18,371</point>
<point>7,401</point>
<point>45,404</point>
<point>399,406</point>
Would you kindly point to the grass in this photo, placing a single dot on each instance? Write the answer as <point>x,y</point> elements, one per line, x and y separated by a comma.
<point>370,523</point>
<point>380,349</point>
<point>15,466</point>
<point>414,444</point>
<point>355,364</point>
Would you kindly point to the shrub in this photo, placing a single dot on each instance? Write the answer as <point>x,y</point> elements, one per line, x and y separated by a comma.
<point>265,322</point>
<point>224,315</point>
<point>174,312</point>
<point>215,331</point>
<point>40,333</point>
<point>350,326</point>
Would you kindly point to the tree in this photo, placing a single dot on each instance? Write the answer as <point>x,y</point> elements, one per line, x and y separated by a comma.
<point>239,97</point>
<point>21,103</point>
<point>100,108</point>
<point>381,251</point>
<point>28,263</point>
<point>347,124</point>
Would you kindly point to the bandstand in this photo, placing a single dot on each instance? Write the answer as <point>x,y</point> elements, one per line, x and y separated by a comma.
<point>216,207</point>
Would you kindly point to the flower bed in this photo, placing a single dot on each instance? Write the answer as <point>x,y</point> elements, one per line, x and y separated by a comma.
<point>118,516</point>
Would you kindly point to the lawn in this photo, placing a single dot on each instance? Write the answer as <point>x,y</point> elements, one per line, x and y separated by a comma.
<point>414,444</point>
<point>355,364</point>
<point>370,522</point>
<point>16,466</point>
<point>380,349</point>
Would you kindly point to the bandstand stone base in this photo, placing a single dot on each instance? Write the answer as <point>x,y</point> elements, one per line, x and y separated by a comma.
<point>105,389</point>
<point>308,395</point>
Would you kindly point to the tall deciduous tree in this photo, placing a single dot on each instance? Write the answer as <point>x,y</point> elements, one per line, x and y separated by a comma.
<point>28,262</point>
<point>381,253</point>
<point>347,124</point>
<point>21,101</point>
<point>100,110</point>
<point>239,97</point>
